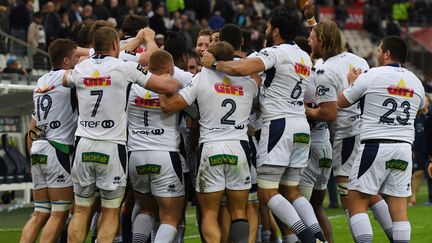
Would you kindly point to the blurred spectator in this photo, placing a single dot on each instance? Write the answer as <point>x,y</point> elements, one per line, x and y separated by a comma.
<point>100,11</point>
<point>341,14</point>
<point>214,37</point>
<point>75,13</point>
<point>66,27</point>
<point>157,22</point>
<point>372,19</point>
<point>216,21</point>
<point>400,11</point>
<point>419,12</point>
<point>147,10</point>
<point>20,19</point>
<point>13,67</point>
<point>87,11</point>
<point>52,23</point>
<point>392,27</point>
<point>4,15</point>
<point>116,11</point>
<point>36,33</point>
<point>240,17</point>
<point>226,8</point>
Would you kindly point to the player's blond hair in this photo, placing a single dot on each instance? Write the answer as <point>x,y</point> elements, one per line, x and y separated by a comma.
<point>329,35</point>
<point>160,62</point>
<point>103,39</point>
<point>222,51</point>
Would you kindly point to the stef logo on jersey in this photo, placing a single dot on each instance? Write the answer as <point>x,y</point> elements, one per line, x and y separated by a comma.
<point>45,88</point>
<point>96,80</point>
<point>400,90</point>
<point>226,87</point>
<point>147,101</point>
<point>301,68</point>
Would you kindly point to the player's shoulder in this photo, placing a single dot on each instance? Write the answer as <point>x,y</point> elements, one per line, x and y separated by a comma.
<point>182,76</point>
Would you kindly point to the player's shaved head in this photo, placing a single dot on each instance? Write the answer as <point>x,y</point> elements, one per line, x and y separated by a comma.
<point>222,51</point>
<point>99,24</point>
<point>103,39</point>
<point>160,62</point>
<point>328,33</point>
<point>232,34</point>
<point>396,46</point>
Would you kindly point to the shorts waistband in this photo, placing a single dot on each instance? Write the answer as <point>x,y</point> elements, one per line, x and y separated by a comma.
<point>375,141</point>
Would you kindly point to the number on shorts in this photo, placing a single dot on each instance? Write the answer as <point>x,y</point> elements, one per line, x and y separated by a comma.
<point>224,119</point>
<point>43,104</point>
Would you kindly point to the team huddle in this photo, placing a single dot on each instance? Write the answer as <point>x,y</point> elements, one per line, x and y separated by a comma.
<point>254,134</point>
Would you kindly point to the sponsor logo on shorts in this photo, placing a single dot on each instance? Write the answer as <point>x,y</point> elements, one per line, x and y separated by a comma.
<point>226,87</point>
<point>171,188</point>
<point>39,159</point>
<point>148,169</point>
<point>322,90</point>
<point>400,90</point>
<point>117,180</point>
<point>325,163</point>
<point>95,157</point>
<point>96,80</point>
<point>301,138</point>
<point>397,164</point>
<point>61,178</point>
<point>147,101</point>
<point>301,68</point>
<point>221,159</point>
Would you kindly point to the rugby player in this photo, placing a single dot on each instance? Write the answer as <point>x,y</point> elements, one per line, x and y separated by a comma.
<point>55,120</point>
<point>390,97</point>
<point>100,160</point>
<point>284,145</point>
<point>224,153</point>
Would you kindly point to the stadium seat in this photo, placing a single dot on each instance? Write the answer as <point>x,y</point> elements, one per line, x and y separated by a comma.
<point>22,164</point>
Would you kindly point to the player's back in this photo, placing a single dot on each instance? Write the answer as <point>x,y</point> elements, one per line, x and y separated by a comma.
<point>393,97</point>
<point>224,105</point>
<point>55,107</point>
<point>286,77</point>
<point>150,128</point>
<point>337,69</point>
<point>102,87</point>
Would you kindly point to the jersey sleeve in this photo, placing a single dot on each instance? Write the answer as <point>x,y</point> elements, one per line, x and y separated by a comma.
<point>129,56</point>
<point>72,78</point>
<point>136,73</point>
<point>268,56</point>
<point>182,76</point>
<point>190,90</point>
<point>326,90</point>
<point>358,89</point>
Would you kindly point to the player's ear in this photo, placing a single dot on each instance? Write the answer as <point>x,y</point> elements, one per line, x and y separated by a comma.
<point>275,32</point>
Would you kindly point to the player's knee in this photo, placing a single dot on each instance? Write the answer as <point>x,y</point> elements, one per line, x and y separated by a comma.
<point>306,191</point>
<point>112,199</point>
<point>342,188</point>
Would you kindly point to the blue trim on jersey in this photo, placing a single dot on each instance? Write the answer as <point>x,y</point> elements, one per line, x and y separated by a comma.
<point>276,130</point>
<point>369,154</point>
<point>395,65</point>
<point>270,74</point>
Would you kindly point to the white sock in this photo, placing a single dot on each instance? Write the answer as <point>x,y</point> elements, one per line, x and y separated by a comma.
<point>142,227</point>
<point>362,228</point>
<point>382,215</point>
<point>265,236</point>
<point>258,234</point>
<point>165,233</point>
<point>307,215</point>
<point>292,238</point>
<point>401,232</point>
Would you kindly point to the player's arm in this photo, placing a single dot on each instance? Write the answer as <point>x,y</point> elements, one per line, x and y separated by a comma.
<point>151,46</point>
<point>243,67</point>
<point>83,52</point>
<point>326,95</point>
<point>172,104</point>
<point>355,91</point>
<point>67,79</point>
<point>162,84</point>
<point>326,111</point>
<point>29,139</point>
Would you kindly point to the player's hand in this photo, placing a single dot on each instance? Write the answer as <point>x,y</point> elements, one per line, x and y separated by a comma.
<point>308,9</point>
<point>353,75</point>
<point>207,59</point>
<point>148,34</point>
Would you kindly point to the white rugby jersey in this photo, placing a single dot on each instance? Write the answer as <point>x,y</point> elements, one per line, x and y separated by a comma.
<point>55,107</point>
<point>390,97</point>
<point>102,85</point>
<point>319,129</point>
<point>149,128</point>
<point>123,55</point>
<point>140,49</point>
<point>287,75</point>
<point>331,79</point>
<point>224,104</point>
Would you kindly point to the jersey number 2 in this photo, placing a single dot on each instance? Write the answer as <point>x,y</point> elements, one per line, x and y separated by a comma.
<point>224,119</point>
<point>403,121</point>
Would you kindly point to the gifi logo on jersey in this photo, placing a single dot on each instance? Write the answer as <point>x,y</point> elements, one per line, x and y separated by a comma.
<point>147,101</point>
<point>226,87</point>
<point>45,88</point>
<point>400,90</point>
<point>301,68</point>
<point>96,80</point>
